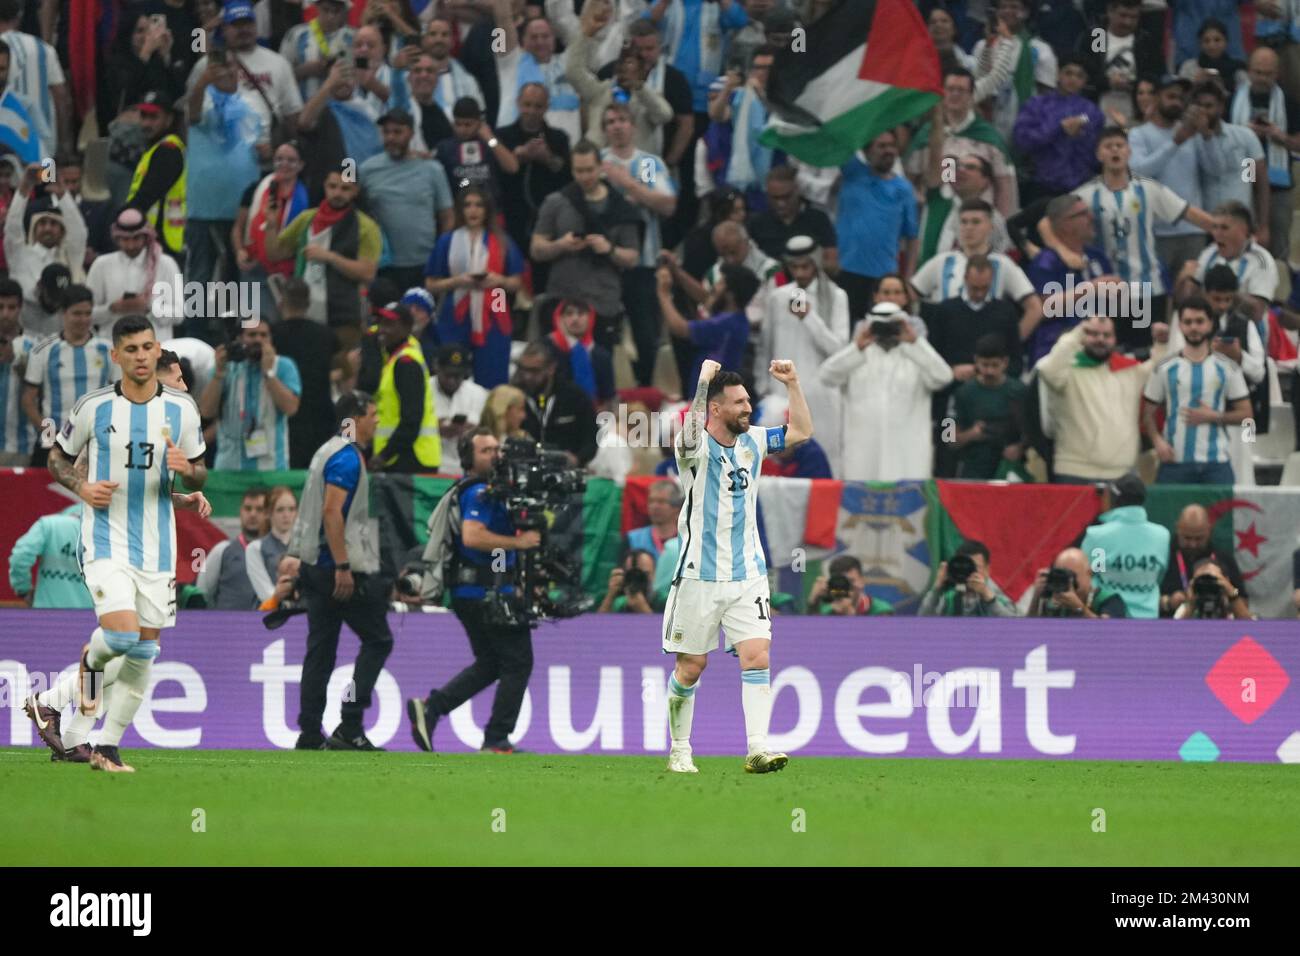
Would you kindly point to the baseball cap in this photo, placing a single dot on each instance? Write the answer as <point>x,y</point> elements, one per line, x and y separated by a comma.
<point>55,278</point>
<point>237,10</point>
<point>1173,79</point>
<point>1127,490</point>
<point>155,101</point>
<point>454,357</point>
<point>397,116</point>
<point>417,296</point>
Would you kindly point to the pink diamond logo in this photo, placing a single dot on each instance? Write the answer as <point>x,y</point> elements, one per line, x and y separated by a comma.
<point>1248,680</point>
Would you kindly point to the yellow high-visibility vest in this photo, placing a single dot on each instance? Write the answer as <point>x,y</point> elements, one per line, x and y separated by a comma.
<point>388,406</point>
<point>172,234</point>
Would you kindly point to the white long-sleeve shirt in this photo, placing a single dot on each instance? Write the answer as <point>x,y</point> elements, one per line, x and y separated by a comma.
<point>114,275</point>
<point>808,341</point>
<point>28,259</point>
<point>886,430</point>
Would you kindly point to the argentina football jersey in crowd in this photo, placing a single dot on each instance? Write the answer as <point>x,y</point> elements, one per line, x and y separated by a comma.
<point>126,443</point>
<point>719,524</point>
<point>1126,225</point>
<point>65,372</point>
<point>16,433</point>
<point>1179,383</point>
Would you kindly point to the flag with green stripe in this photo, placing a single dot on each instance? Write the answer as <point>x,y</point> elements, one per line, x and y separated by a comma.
<point>866,67</point>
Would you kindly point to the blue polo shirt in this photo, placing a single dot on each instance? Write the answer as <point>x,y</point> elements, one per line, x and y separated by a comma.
<point>888,205</point>
<point>343,470</point>
<point>720,337</point>
<point>475,505</point>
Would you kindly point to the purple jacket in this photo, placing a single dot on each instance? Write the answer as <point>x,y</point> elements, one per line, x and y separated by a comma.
<point>1061,162</point>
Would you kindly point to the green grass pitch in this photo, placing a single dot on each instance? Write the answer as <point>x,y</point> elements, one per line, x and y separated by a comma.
<point>263,808</point>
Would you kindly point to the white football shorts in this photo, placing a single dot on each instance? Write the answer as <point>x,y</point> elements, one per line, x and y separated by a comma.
<point>696,609</point>
<point>120,587</point>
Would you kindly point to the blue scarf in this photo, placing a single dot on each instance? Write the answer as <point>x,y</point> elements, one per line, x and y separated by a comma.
<point>584,374</point>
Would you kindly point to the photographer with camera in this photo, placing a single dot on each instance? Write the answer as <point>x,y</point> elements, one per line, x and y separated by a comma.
<point>485,555</point>
<point>1212,596</point>
<point>1067,589</point>
<point>963,587</point>
<point>629,590</point>
<point>1192,545</point>
<point>255,392</point>
<point>339,577</point>
<point>842,591</point>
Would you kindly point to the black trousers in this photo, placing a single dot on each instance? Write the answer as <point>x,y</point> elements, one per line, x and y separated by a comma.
<point>642,305</point>
<point>502,654</point>
<point>861,290</point>
<point>366,612</point>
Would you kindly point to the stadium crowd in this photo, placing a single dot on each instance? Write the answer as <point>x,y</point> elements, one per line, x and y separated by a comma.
<point>520,215</point>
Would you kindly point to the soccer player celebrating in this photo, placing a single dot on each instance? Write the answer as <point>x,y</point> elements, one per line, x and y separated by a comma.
<point>128,533</point>
<point>721,576</point>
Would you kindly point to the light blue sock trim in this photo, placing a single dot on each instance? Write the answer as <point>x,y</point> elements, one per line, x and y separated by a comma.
<point>121,642</point>
<point>678,690</point>
<point>145,650</point>
<point>763,676</point>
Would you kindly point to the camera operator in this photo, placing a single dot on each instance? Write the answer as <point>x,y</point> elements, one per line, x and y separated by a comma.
<point>255,392</point>
<point>338,577</point>
<point>1212,596</point>
<point>629,586</point>
<point>1067,589</point>
<point>828,596</point>
<point>503,653</point>
<point>963,587</point>
<point>1192,534</point>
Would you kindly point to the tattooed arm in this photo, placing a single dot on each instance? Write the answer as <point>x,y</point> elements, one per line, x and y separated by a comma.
<point>72,475</point>
<point>693,432</point>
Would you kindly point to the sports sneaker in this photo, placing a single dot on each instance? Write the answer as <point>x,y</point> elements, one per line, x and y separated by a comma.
<point>107,758</point>
<point>46,720</point>
<point>505,747</point>
<point>77,754</point>
<point>765,762</point>
<point>308,741</point>
<point>88,702</point>
<point>349,740</point>
<point>679,761</point>
<point>423,721</point>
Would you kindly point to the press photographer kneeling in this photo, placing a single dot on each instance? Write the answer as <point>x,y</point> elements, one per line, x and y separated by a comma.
<point>1212,596</point>
<point>963,588</point>
<point>487,542</point>
<point>1068,589</point>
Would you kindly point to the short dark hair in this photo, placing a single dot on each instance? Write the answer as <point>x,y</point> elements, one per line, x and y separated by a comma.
<point>991,346</point>
<point>1112,132</point>
<point>979,263</point>
<point>975,205</point>
<point>1210,88</point>
<point>296,294</point>
<point>585,147</point>
<point>10,289</point>
<point>542,347</point>
<point>1221,278</point>
<point>254,491</point>
<point>1072,59</point>
<point>844,564</point>
<point>129,325</point>
<point>74,294</point>
<point>1238,211</point>
<point>1211,23</point>
<point>1196,302</point>
<point>1127,4</point>
<point>642,28</point>
<point>723,379</point>
<point>166,359</point>
<point>742,285</point>
<point>465,447</point>
<point>466,108</point>
<point>351,405</point>
<point>972,547</point>
<point>959,71</point>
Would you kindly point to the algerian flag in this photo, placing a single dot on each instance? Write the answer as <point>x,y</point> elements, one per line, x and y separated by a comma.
<point>835,96</point>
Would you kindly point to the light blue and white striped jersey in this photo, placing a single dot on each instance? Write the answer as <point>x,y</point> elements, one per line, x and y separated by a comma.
<point>1125,224</point>
<point>944,277</point>
<point>718,525</point>
<point>1179,383</point>
<point>650,170</point>
<point>33,68</point>
<point>1255,268</point>
<point>126,442</point>
<point>300,46</point>
<point>66,372</point>
<point>16,432</point>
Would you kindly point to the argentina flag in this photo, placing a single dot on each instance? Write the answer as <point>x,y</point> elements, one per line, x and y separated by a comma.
<point>17,132</point>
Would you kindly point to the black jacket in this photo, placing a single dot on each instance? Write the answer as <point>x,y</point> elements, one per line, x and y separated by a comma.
<point>1146,51</point>
<point>565,420</point>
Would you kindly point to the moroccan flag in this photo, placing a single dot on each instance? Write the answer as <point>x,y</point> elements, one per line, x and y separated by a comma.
<point>867,66</point>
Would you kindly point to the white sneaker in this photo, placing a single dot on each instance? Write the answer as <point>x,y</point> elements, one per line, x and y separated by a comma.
<point>679,761</point>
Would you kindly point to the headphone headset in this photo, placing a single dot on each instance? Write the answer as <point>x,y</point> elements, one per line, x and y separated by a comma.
<point>465,448</point>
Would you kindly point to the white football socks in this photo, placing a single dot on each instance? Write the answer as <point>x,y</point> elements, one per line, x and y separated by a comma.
<point>681,711</point>
<point>756,700</point>
<point>132,682</point>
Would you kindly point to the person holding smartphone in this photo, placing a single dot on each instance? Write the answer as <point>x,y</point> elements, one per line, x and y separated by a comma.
<point>457,397</point>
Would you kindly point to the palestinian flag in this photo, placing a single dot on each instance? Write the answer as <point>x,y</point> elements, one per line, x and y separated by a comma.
<point>833,96</point>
